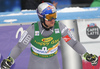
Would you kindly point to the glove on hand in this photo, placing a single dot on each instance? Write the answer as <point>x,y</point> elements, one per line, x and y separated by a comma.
<point>91,58</point>
<point>7,63</point>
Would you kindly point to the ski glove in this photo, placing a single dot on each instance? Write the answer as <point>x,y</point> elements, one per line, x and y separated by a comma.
<point>7,63</point>
<point>91,58</point>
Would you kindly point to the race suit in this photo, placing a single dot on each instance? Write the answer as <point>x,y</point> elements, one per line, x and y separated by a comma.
<point>44,45</point>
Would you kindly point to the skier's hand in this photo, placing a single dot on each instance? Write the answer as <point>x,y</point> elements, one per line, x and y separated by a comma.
<point>7,63</point>
<point>91,58</point>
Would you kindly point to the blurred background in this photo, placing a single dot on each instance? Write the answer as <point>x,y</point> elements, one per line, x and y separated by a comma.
<point>10,5</point>
<point>18,5</point>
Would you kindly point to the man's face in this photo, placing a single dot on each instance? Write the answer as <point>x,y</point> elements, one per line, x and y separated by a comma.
<point>50,23</point>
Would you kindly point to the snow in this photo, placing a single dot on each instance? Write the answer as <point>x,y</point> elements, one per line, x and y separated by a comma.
<point>10,20</point>
<point>77,9</point>
<point>18,14</point>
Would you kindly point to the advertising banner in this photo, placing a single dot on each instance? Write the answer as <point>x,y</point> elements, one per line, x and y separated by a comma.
<point>9,36</point>
<point>89,34</point>
<point>89,30</point>
<point>8,40</point>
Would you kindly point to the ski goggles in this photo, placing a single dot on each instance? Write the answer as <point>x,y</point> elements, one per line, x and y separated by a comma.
<point>49,17</point>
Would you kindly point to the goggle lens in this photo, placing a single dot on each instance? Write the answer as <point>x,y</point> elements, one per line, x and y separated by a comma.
<point>49,17</point>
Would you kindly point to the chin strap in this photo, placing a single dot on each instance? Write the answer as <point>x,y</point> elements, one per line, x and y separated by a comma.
<point>45,25</point>
<point>46,28</point>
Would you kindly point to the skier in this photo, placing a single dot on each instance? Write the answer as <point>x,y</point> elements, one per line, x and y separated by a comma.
<point>44,37</point>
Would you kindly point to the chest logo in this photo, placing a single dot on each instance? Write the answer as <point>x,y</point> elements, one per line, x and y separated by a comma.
<point>57,31</point>
<point>47,39</point>
<point>36,33</point>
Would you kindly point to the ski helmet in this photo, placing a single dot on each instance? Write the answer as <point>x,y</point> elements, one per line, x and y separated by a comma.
<point>46,11</point>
